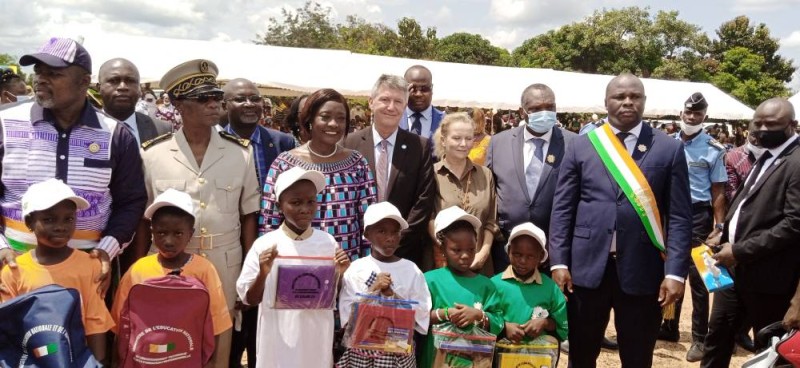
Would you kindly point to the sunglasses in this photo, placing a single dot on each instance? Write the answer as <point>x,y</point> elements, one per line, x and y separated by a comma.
<point>423,89</point>
<point>205,97</point>
<point>243,99</point>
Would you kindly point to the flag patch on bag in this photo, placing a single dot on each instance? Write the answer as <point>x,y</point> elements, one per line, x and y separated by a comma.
<point>45,350</point>
<point>156,348</point>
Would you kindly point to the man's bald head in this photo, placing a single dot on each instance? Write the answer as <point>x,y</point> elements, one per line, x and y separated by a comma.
<point>537,90</point>
<point>625,101</point>
<point>420,88</point>
<point>626,79</point>
<point>777,107</point>
<point>119,87</point>
<point>418,70</point>
<point>235,84</point>
<point>243,104</point>
<point>116,63</point>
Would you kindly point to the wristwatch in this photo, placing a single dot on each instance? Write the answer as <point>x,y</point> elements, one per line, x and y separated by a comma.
<point>719,227</point>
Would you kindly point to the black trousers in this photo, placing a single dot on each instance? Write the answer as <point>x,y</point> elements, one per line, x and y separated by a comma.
<point>703,222</point>
<point>637,319</point>
<point>731,310</point>
<point>245,340</point>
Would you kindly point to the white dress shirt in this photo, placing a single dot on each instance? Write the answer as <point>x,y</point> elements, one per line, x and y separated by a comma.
<point>767,163</point>
<point>376,138</point>
<point>425,120</point>
<point>529,148</point>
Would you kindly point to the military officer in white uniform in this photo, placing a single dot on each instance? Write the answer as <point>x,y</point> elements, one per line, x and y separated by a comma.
<point>215,168</point>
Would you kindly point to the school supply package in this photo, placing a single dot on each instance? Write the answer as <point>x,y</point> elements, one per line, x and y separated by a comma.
<point>541,352</point>
<point>714,276</point>
<point>44,328</point>
<point>166,322</point>
<point>305,282</point>
<point>471,347</point>
<point>383,325</point>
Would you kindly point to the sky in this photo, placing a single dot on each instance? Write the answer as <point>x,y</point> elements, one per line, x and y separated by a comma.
<point>26,24</point>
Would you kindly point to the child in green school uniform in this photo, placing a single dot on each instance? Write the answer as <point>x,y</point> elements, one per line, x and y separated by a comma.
<point>458,294</point>
<point>531,303</point>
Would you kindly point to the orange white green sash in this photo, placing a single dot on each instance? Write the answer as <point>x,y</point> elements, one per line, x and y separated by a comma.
<point>630,178</point>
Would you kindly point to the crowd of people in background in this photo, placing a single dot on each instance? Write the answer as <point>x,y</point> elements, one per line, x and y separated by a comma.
<point>522,223</point>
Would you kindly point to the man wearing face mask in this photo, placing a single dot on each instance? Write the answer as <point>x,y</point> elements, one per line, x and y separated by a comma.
<point>12,87</point>
<point>761,233</point>
<point>707,178</point>
<point>525,174</point>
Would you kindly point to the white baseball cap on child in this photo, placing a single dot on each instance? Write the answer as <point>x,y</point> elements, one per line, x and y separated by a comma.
<point>48,193</point>
<point>171,197</point>
<point>530,230</point>
<point>383,210</point>
<point>450,215</point>
<point>295,174</point>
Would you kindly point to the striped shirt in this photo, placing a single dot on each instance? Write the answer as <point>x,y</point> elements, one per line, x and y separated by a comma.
<point>97,157</point>
<point>349,189</point>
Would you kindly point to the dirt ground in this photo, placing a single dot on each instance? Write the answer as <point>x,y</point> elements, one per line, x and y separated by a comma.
<point>667,354</point>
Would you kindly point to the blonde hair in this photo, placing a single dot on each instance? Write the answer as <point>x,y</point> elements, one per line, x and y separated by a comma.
<point>444,126</point>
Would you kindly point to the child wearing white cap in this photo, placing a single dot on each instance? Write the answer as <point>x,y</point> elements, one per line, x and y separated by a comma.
<point>531,303</point>
<point>172,224</point>
<point>49,209</point>
<point>458,294</point>
<point>291,337</point>
<point>385,273</point>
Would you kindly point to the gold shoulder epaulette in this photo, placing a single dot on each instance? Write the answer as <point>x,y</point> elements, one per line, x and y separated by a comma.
<point>240,141</point>
<point>156,140</point>
<point>715,143</point>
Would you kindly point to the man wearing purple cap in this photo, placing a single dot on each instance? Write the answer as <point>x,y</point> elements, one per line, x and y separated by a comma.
<point>60,135</point>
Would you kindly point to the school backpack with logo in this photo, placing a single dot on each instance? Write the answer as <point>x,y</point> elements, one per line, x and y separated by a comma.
<point>44,328</point>
<point>166,322</point>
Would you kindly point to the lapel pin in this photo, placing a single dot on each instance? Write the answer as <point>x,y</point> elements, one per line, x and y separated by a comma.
<point>642,148</point>
<point>403,146</point>
<point>551,159</point>
<point>270,145</point>
<point>94,147</point>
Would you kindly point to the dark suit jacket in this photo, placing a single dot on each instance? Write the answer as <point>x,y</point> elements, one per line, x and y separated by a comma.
<point>767,247</point>
<point>436,118</point>
<point>514,204</point>
<point>589,206</point>
<point>274,142</point>
<point>149,128</point>
<point>411,185</point>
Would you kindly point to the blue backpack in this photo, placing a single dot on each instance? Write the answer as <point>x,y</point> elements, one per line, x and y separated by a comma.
<point>44,328</point>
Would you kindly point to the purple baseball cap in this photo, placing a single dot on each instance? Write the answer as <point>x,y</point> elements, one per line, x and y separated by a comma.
<point>59,53</point>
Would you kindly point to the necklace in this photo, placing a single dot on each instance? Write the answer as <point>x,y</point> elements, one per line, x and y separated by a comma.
<point>335,149</point>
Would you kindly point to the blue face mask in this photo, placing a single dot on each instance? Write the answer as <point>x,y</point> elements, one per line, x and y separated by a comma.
<point>541,121</point>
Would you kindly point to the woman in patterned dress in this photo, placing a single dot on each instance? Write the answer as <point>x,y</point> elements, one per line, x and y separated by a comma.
<point>350,185</point>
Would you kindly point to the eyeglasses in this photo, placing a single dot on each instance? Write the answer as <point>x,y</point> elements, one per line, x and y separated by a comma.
<point>242,99</point>
<point>424,89</point>
<point>205,97</point>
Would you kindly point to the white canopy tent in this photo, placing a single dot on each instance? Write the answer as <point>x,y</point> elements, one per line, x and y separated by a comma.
<point>795,100</point>
<point>290,71</point>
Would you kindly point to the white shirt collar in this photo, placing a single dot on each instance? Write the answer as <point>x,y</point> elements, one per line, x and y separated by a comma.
<point>376,138</point>
<point>427,114</point>
<point>636,131</point>
<point>527,135</point>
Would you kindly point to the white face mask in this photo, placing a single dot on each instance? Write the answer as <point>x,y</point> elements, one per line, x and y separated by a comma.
<point>690,129</point>
<point>756,151</point>
<point>23,98</point>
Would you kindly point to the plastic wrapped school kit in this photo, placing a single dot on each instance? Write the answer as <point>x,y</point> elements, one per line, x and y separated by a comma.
<point>380,324</point>
<point>304,282</point>
<point>471,347</point>
<point>541,352</point>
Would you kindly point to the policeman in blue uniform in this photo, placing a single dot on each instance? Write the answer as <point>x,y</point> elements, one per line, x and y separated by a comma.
<point>707,179</point>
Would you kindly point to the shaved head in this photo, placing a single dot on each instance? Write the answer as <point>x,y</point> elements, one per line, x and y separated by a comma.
<point>418,70</point>
<point>235,84</point>
<point>625,101</point>
<point>114,64</point>
<point>777,107</point>
<point>537,89</point>
<point>625,78</point>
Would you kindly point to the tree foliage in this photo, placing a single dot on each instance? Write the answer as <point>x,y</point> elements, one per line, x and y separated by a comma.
<point>742,60</point>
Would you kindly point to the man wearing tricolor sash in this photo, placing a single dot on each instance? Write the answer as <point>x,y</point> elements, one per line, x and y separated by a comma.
<point>620,231</point>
